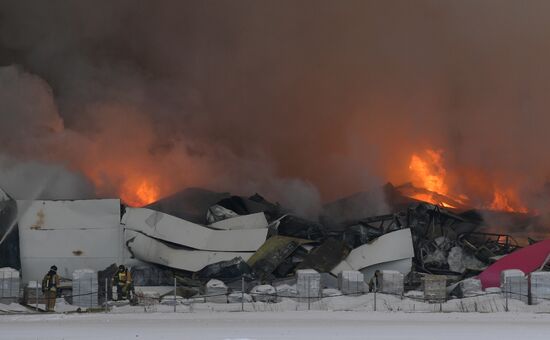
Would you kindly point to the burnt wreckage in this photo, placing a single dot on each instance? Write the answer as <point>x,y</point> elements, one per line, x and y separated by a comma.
<point>198,235</point>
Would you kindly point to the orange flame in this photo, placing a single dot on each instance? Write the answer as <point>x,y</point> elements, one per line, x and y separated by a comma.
<point>428,172</point>
<point>139,193</point>
<point>507,200</point>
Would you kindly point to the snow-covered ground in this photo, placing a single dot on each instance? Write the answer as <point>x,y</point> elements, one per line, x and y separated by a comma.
<point>277,325</point>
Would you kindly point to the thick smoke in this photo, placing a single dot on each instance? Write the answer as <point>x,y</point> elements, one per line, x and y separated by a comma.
<point>308,100</point>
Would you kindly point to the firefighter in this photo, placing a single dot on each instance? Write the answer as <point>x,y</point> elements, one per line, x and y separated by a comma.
<point>123,282</point>
<point>50,284</point>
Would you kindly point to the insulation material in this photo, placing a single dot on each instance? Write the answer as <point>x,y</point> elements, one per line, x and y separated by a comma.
<point>391,282</point>
<point>172,229</point>
<point>216,291</point>
<point>540,287</point>
<point>351,282</point>
<point>85,288</point>
<point>151,250</point>
<point>70,234</point>
<point>435,288</point>
<point>387,249</point>
<point>308,283</point>
<point>514,284</point>
<point>9,285</point>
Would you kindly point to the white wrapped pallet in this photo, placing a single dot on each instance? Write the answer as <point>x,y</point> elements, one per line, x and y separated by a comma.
<point>9,285</point>
<point>391,282</point>
<point>514,284</point>
<point>216,291</point>
<point>351,282</point>
<point>85,288</point>
<point>435,288</point>
<point>308,283</point>
<point>540,287</point>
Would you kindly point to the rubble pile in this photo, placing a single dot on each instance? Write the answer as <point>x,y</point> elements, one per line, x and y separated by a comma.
<point>213,244</point>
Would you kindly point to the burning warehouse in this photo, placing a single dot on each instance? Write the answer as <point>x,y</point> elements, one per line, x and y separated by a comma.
<point>290,150</point>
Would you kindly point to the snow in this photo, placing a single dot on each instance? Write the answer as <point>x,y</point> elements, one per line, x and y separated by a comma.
<point>273,325</point>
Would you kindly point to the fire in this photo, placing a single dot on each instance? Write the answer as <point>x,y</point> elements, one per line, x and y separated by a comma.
<point>428,172</point>
<point>139,193</point>
<point>507,200</point>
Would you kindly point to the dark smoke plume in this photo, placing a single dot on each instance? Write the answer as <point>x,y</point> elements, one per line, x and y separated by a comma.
<point>307,100</point>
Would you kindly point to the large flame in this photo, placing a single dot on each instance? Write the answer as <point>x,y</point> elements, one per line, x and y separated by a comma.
<point>428,171</point>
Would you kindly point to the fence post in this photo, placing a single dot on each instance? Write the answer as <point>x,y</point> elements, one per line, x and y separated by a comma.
<point>36,294</point>
<point>242,293</point>
<point>106,292</point>
<point>308,293</point>
<point>175,287</point>
<point>375,289</point>
<point>91,291</point>
<point>506,292</point>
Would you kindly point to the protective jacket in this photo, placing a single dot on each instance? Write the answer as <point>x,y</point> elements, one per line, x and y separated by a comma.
<point>50,282</point>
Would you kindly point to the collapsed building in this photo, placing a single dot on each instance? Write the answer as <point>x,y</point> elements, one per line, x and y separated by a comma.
<point>198,235</point>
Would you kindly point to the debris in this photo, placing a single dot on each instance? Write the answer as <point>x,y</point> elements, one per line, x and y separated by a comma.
<point>152,250</point>
<point>527,260</point>
<point>392,251</point>
<point>175,230</point>
<point>252,221</point>
<point>325,257</point>
<point>272,253</point>
<point>225,270</point>
<point>218,213</point>
<point>294,226</point>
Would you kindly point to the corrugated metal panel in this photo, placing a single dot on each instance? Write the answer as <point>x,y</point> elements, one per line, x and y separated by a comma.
<point>151,250</point>
<point>389,247</point>
<point>172,229</point>
<point>70,234</point>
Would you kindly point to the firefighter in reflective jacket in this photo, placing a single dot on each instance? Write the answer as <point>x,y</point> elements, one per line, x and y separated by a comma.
<point>123,282</point>
<point>50,284</point>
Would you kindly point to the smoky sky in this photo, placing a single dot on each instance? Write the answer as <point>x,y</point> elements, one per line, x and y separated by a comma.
<point>297,98</point>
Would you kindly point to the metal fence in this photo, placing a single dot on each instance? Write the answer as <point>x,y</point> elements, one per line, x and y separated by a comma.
<point>534,299</point>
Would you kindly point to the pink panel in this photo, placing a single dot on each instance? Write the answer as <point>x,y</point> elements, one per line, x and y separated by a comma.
<point>527,259</point>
